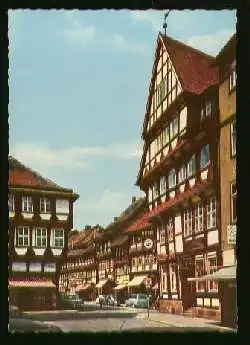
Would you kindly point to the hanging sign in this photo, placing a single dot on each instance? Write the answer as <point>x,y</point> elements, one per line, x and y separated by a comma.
<point>148,243</point>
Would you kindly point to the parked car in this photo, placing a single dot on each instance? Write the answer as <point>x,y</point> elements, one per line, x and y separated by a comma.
<point>137,301</point>
<point>73,301</point>
<point>106,300</point>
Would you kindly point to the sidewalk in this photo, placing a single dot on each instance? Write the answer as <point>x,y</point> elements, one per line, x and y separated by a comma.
<point>182,321</point>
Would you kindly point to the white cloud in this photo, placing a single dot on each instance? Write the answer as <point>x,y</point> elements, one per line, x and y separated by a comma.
<point>41,155</point>
<point>211,44</point>
<point>123,45</point>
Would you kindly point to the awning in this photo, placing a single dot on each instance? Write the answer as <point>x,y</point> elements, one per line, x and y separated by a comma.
<point>224,274</point>
<point>136,281</point>
<point>120,287</point>
<point>101,283</point>
<point>31,283</point>
<point>83,287</point>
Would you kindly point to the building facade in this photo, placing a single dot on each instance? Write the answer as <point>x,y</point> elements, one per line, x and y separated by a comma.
<point>180,175</point>
<point>40,217</point>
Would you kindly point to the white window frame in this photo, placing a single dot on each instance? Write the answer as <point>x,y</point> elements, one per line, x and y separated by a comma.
<point>22,232</point>
<point>233,196</point>
<point>158,143</point>
<point>170,229</point>
<point>205,156</point>
<point>166,136</point>
<point>11,202</point>
<point>163,185</point>
<point>200,286</point>
<point>164,280</point>
<point>43,236</point>
<point>27,204</point>
<point>191,167</point>
<point>57,238</point>
<point>211,213</point>
<point>162,234</point>
<point>174,127</point>
<point>172,179</point>
<point>45,204</point>
<point>232,76</point>
<point>199,217</point>
<point>182,174</point>
<point>188,226</point>
<point>233,138</point>
<point>212,286</point>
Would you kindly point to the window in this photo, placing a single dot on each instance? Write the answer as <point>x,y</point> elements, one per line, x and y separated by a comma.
<point>187,222</point>
<point>199,218</point>
<point>162,235</point>
<point>211,213</point>
<point>164,286</point>
<point>44,205</point>
<point>163,184</point>
<point>155,191</point>
<point>41,237</point>
<point>174,127</point>
<point>205,157</point>
<point>11,203</point>
<point>232,76</point>
<point>27,204</point>
<point>172,274</point>
<point>191,167</point>
<point>159,95</point>
<point>158,143</point>
<point>58,238</point>
<point>182,174</point>
<point>199,272</point>
<point>206,109</point>
<point>172,179</point>
<point>233,202</point>
<point>166,136</point>
<point>233,138</point>
<point>170,229</point>
<point>212,267</point>
<point>22,236</point>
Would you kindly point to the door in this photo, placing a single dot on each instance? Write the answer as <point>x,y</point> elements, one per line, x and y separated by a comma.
<point>188,288</point>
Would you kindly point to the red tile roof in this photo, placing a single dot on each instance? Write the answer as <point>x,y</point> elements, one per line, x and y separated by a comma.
<point>141,223</point>
<point>196,70</point>
<point>31,282</point>
<point>21,175</point>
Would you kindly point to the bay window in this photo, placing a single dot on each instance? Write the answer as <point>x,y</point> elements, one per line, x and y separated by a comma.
<point>199,217</point>
<point>27,204</point>
<point>182,174</point>
<point>232,76</point>
<point>233,138</point>
<point>172,179</point>
<point>44,205</point>
<point>41,237</point>
<point>187,222</point>
<point>163,185</point>
<point>205,156</point>
<point>199,272</point>
<point>211,213</point>
<point>212,267</point>
<point>233,203</point>
<point>11,203</point>
<point>22,236</point>
<point>191,167</point>
<point>57,238</point>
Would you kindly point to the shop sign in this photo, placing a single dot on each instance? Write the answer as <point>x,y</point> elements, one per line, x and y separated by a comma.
<point>19,267</point>
<point>148,243</point>
<point>231,234</point>
<point>35,267</point>
<point>50,267</point>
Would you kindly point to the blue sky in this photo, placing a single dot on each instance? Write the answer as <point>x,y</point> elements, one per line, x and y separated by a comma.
<point>78,83</point>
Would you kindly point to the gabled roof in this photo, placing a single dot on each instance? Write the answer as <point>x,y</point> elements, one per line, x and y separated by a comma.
<point>21,175</point>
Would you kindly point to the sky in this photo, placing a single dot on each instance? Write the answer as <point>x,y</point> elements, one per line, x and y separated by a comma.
<point>78,88</point>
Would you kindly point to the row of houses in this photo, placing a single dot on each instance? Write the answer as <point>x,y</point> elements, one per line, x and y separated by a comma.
<point>185,226</point>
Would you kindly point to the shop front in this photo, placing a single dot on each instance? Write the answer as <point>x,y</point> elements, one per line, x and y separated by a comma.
<point>137,285</point>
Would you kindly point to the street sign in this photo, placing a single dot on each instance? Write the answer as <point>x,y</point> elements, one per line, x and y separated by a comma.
<point>231,234</point>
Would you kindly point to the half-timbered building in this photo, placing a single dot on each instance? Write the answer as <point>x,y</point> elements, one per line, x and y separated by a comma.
<point>40,217</point>
<point>179,174</point>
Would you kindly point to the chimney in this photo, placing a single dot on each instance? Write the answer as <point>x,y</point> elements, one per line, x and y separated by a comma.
<point>133,199</point>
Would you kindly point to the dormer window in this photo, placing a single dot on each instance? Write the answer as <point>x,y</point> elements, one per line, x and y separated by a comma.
<point>11,203</point>
<point>205,157</point>
<point>191,167</point>
<point>182,174</point>
<point>44,205</point>
<point>206,109</point>
<point>27,204</point>
<point>163,185</point>
<point>232,76</point>
<point>172,179</point>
